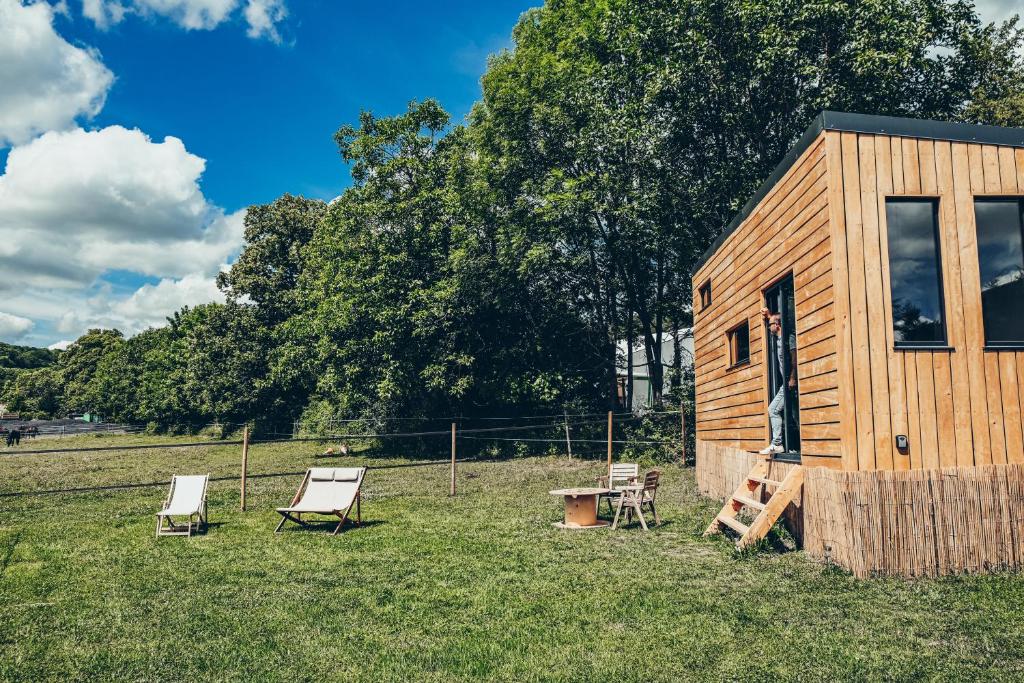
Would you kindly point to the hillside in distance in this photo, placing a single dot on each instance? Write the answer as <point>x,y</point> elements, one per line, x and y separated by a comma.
<point>25,357</point>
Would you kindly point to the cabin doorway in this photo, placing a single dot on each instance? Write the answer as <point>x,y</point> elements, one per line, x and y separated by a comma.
<point>780,354</point>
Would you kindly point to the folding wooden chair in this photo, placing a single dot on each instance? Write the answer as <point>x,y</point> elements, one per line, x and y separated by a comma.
<point>621,475</point>
<point>634,498</point>
<point>326,491</point>
<point>186,498</point>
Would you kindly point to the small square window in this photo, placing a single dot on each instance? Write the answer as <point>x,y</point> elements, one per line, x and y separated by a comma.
<point>739,344</point>
<point>705,295</point>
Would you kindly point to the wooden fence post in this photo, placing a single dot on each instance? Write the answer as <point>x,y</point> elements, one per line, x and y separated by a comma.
<point>682,434</point>
<point>610,446</point>
<point>568,443</point>
<point>245,461</point>
<point>451,491</point>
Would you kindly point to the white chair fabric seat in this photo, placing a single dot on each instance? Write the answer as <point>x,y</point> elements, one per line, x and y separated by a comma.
<point>187,498</point>
<point>326,491</point>
<point>326,496</point>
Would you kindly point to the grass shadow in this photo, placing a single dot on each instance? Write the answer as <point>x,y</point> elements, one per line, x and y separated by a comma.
<point>322,525</point>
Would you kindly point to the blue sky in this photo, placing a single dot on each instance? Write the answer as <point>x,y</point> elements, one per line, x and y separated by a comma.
<point>133,133</point>
<point>262,114</point>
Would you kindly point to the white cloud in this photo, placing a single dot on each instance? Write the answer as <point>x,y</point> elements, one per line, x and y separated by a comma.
<point>45,82</point>
<point>262,16</point>
<point>998,10</point>
<point>76,204</point>
<point>104,13</point>
<point>62,345</point>
<point>148,306</point>
<point>14,327</point>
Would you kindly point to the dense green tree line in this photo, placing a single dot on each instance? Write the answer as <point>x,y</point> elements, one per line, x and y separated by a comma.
<point>18,360</point>
<point>25,357</point>
<point>491,266</point>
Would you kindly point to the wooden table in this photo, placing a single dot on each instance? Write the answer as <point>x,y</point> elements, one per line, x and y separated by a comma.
<point>580,508</point>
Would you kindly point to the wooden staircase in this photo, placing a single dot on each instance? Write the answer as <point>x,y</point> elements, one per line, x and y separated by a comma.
<point>767,512</point>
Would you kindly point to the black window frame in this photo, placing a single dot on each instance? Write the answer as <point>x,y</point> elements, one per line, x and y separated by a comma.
<point>729,335</point>
<point>704,292</point>
<point>937,226</point>
<point>999,345</point>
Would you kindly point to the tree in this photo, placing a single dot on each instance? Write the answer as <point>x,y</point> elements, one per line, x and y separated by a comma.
<point>416,300</point>
<point>77,367</point>
<point>267,271</point>
<point>621,137</point>
<point>221,360</point>
<point>140,381</point>
<point>25,357</point>
<point>34,393</point>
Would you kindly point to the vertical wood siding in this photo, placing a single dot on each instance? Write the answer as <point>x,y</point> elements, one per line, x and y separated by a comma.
<point>789,231</point>
<point>960,407</point>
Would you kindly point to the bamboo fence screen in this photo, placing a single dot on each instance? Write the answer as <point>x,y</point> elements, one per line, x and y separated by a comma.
<point>924,522</point>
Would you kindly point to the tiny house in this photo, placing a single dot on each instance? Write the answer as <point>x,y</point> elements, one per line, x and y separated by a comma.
<point>893,250</point>
<point>891,253</point>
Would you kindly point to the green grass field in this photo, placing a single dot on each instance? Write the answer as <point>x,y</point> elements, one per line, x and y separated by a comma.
<point>439,589</point>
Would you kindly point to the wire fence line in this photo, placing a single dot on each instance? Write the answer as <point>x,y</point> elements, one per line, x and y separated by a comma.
<point>232,477</point>
<point>459,433</point>
<point>297,428</point>
<point>520,433</point>
<point>562,440</point>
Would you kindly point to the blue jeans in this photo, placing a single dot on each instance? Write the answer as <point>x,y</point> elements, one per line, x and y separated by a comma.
<point>775,410</point>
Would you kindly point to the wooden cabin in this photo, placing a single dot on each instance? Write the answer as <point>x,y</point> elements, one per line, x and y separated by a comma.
<point>892,250</point>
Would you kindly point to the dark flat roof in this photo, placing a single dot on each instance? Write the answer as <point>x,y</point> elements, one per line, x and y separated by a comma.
<point>866,123</point>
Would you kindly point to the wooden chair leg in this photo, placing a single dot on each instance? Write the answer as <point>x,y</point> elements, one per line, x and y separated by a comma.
<point>284,518</point>
<point>340,524</point>
<point>618,510</point>
<point>640,514</point>
<point>359,512</point>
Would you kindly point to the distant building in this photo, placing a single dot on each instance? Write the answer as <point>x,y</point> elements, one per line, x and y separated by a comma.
<point>643,395</point>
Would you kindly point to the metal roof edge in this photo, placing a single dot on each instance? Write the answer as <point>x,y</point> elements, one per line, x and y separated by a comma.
<point>896,126</point>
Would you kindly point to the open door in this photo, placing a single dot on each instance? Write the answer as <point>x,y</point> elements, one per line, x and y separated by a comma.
<point>780,354</point>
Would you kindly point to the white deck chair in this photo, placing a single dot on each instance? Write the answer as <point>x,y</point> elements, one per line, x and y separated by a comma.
<point>326,491</point>
<point>621,475</point>
<point>187,498</point>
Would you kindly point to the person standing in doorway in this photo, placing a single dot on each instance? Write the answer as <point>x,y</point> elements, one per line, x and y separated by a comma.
<point>783,366</point>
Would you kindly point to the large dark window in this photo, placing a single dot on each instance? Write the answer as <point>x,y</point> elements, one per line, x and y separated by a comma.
<point>1001,257</point>
<point>915,272</point>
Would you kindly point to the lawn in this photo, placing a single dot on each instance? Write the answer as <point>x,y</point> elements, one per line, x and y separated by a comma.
<point>438,589</point>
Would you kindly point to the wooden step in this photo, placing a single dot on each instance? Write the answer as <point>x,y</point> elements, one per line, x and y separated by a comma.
<point>749,502</point>
<point>733,524</point>
<point>765,480</point>
<point>768,512</point>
